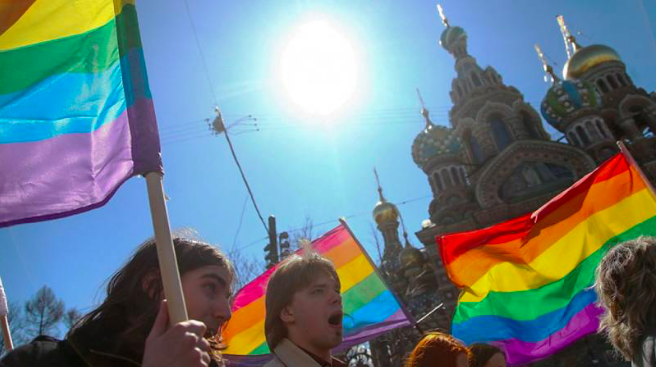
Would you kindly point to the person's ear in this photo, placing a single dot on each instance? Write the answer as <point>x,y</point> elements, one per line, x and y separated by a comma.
<point>287,315</point>
<point>152,284</point>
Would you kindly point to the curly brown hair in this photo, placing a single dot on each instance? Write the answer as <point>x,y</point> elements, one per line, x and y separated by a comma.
<point>626,287</point>
<point>437,348</point>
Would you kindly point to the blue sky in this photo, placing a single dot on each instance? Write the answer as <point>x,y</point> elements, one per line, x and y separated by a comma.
<point>302,167</point>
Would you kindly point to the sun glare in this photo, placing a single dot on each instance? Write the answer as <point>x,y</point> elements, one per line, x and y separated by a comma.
<point>318,68</point>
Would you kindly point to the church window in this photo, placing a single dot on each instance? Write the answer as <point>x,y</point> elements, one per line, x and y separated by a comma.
<point>477,152</point>
<point>455,176</point>
<point>621,79</point>
<point>438,182</point>
<point>529,126</point>
<point>592,131</point>
<point>601,129</point>
<point>612,81</point>
<point>476,80</point>
<point>573,138</point>
<point>585,139</point>
<point>601,84</point>
<point>447,177</point>
<point>499,131</point>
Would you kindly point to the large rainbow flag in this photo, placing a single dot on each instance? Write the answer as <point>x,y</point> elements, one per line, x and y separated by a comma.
<point>76,114</point>
<point>526,282</point>
<point>370,308</point>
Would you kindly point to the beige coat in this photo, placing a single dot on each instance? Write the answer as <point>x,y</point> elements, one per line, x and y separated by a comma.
<point>289,355</point>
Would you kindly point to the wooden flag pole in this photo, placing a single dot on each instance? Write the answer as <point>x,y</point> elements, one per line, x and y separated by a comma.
<point>625,151</point>
<point>6,334</point>
<point>168,264</point>
<point>4,321</point>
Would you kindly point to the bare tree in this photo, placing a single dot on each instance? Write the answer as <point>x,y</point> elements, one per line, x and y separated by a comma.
<point>246,268</point>
<point>375,235</point>
<point>16,326</point>
<point>303,233</point>
<point>43,312</point>
<point>71,317</point>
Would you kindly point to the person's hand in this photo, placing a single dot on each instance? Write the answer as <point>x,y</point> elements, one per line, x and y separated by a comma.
<point>179,345</point>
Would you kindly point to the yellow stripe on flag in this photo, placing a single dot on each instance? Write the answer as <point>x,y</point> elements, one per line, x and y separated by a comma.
<point>551,265</point>
<point>48,20</point>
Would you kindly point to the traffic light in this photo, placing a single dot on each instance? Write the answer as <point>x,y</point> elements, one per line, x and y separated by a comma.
<point>271,249</point>
<point>271,254</point>
<point>284,244</point>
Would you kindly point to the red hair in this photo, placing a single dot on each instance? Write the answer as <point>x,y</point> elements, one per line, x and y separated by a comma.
<point>434,348</point>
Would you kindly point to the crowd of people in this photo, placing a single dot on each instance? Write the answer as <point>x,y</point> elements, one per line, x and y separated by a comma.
<point>303,315</point>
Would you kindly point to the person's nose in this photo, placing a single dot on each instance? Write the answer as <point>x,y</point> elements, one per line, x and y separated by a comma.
<point>337,298</point>
<point>221,311</point>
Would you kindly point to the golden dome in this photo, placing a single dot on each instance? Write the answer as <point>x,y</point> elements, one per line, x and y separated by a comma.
<point>586,58</point>
<point>411,256</point>
<point>385,212</point>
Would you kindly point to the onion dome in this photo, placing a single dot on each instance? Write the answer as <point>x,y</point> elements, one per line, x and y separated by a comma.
<point>586,58</point>
<point>566,97</point>
<point>433,141</point>
<point>451,36</point>
<point>385,212</point>
<point>411,257</point>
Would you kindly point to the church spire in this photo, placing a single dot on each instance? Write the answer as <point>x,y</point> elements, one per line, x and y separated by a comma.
<point>568,37</point>
<point>440,10</point>
<point>545,65</point>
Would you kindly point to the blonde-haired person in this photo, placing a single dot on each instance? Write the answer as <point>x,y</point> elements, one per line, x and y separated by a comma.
<point>626,288</point>
<point>439,349</point>
<point>303,320</point>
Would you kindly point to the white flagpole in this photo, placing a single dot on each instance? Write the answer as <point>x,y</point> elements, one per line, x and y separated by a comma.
<point>165,251</point>
<point>4,322</point>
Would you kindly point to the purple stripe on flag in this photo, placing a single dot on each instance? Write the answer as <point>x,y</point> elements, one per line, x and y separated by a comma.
<point>583,323</point>
<point>396,320</point>
<point>71,173</point>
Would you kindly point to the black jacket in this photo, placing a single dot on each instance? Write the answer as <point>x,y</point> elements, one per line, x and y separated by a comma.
<point>45,351</point>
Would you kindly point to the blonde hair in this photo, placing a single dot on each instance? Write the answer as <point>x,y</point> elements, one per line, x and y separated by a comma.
<point>626,287</point>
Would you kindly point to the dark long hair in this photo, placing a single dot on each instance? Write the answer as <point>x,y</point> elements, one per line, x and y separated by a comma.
<point>123,321</point>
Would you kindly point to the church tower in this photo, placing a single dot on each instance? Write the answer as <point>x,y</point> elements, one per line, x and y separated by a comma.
<point>493,162</point>
<point>597,104</point>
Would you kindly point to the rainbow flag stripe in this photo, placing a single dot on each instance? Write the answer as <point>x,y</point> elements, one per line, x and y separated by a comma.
<point>76,113</point>
<point>526,282</point>
<point>370,309</point>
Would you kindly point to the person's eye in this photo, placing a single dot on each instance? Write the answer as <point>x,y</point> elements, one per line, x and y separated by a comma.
<point>318,291</point>
<point>211,287</point>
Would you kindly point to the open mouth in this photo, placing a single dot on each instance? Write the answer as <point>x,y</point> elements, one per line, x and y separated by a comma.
<point>336,319</point>
<point>211,332</point>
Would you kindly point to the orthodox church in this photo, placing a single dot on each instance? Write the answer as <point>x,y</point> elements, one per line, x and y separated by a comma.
<point>495,161</point>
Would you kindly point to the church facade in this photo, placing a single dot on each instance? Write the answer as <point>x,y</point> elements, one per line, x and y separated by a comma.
<point>495,161</point>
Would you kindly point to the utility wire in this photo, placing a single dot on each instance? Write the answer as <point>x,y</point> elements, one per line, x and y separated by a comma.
<point>255,242</point>
<point>225,132</point>
<point>243,177</point>
<point>200,51</point>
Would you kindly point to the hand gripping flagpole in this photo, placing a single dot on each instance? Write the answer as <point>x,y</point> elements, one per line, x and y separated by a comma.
<point>4,322</point>
<point>168,264</point>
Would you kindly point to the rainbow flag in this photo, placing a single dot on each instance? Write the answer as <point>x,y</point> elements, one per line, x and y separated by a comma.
<point>526,282</point>
<point>370,308</point>
<point>76,114</point>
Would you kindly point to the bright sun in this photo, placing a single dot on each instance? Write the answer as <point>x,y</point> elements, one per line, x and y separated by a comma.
<point>318,68</point>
